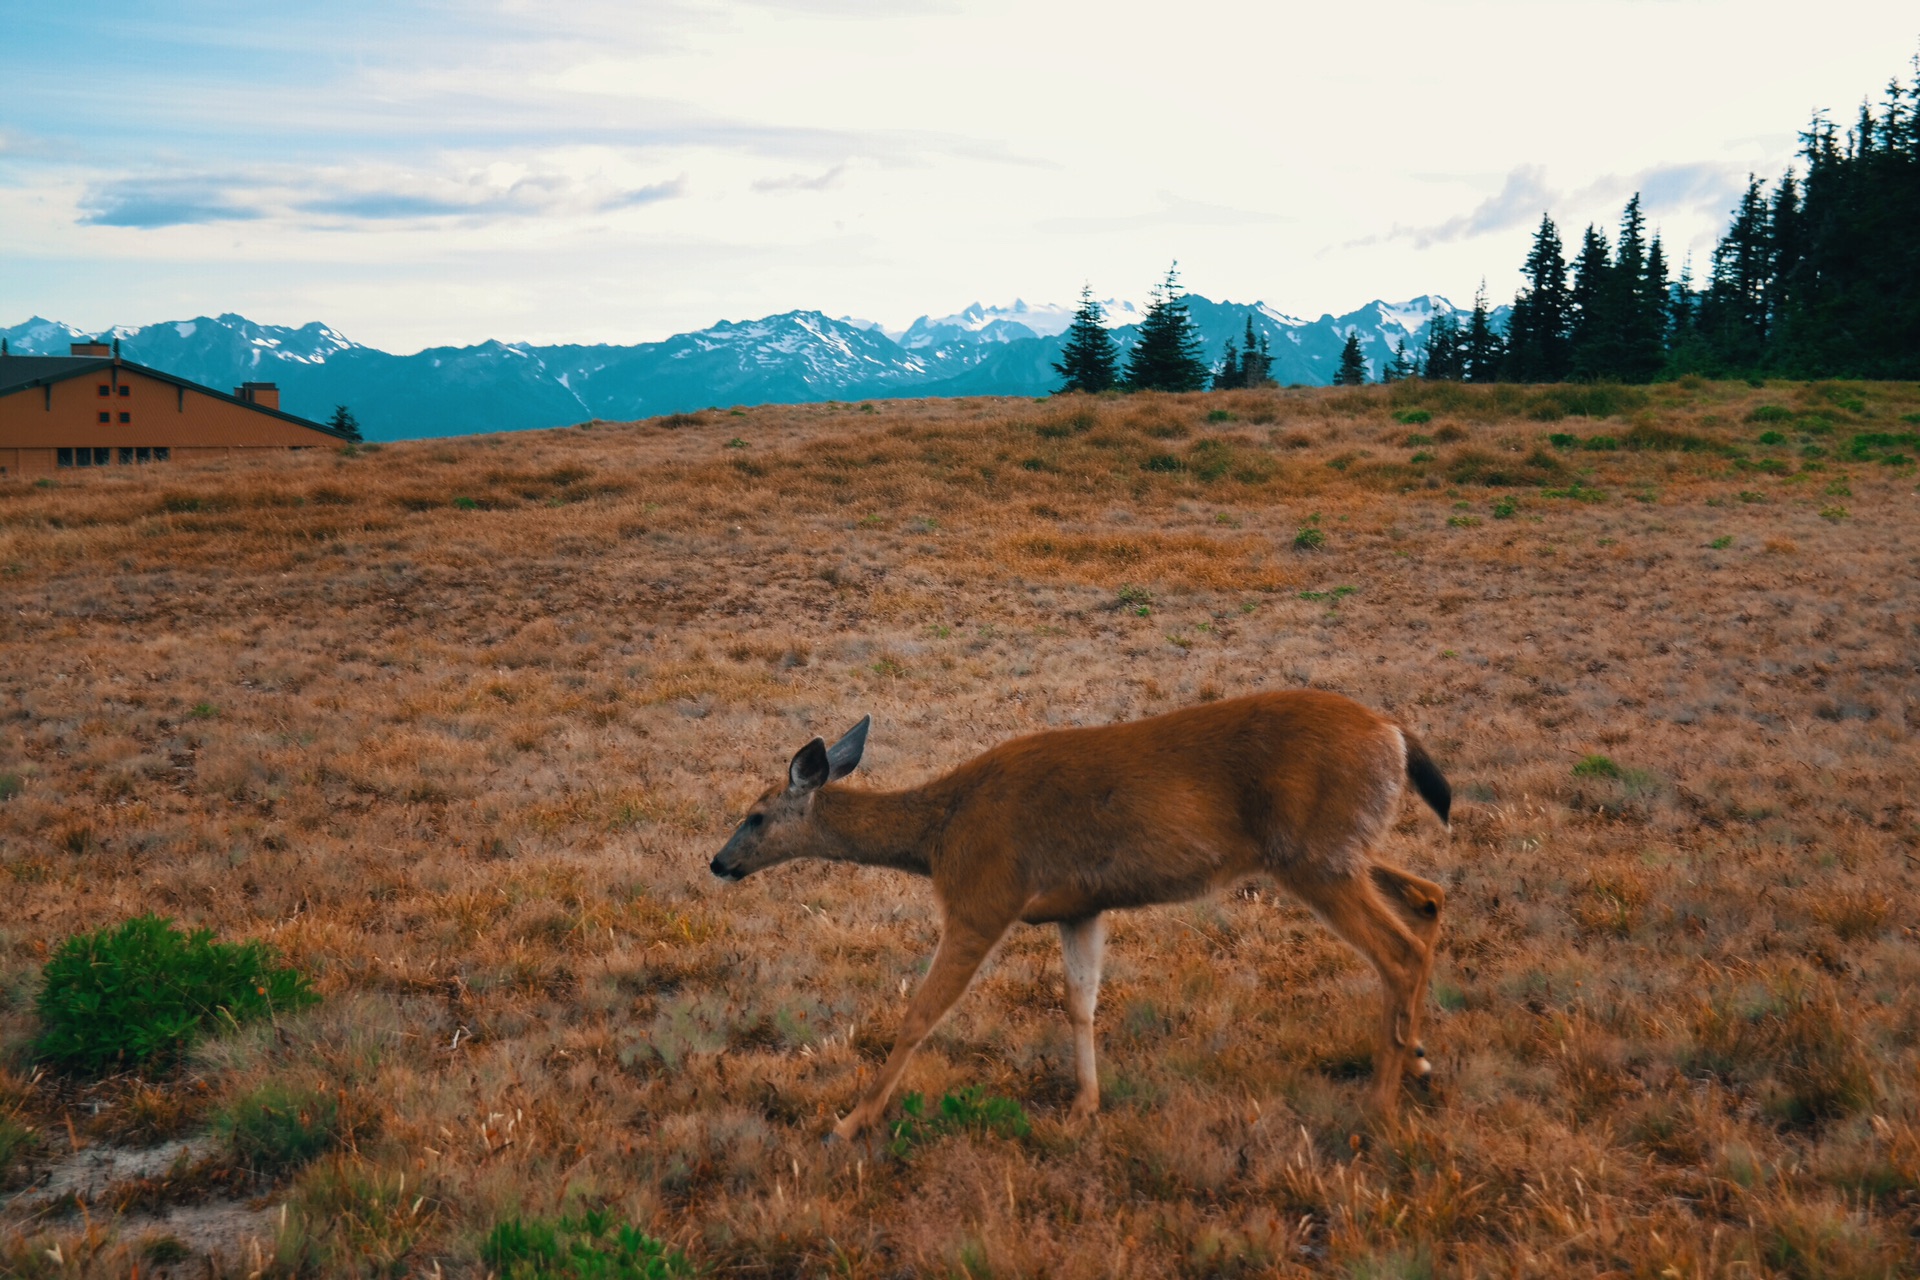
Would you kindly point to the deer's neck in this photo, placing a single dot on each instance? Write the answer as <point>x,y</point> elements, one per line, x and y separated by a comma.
<point>879,828</point>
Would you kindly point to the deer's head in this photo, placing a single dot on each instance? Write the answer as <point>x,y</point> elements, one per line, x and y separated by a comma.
<point>777,827</point>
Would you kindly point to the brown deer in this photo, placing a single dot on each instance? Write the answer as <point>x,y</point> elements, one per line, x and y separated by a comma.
<point>1059,827</point>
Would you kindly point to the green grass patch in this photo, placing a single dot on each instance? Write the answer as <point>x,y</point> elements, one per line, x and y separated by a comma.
<point>1578,491</point>
<point>1596,766</point>
<point>1722,542</point>
<point>972,1110</point>
<point>143,992</point>
<point>276,1128</point>
<point>11,785</point>
<point>1770,413</point>
<point>1308,538</point>
<point>1412,417</point>
<point>588,1247</point>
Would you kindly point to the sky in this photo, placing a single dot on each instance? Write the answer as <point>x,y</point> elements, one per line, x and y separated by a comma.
<point>424,174</point>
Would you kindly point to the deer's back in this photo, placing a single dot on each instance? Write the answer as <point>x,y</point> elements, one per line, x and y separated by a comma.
<point>1171,807</point>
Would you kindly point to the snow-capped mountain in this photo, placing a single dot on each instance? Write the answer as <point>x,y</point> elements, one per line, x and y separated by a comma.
<point>795,357</point>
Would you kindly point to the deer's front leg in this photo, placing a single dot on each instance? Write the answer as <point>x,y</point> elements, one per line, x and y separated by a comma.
<point>963,947</point>
<point>1081,945</point>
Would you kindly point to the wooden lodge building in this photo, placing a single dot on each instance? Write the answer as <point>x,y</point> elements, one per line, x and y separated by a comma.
<point>93,409</point>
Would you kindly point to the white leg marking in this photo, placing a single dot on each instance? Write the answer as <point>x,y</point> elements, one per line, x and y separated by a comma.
<point>1082,943</point>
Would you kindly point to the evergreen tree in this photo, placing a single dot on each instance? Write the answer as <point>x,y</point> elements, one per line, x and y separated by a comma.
<point>1595,327</point>
<point>1353,365</point>
<point>1230,373</point>
<point>1539,331</point>
<point>1088,359</point>
<point>344,422</point>
<point>1483,345</point>
<point>1637,344</point>
<point>1733,315</point>
<point>1445,360</point>
<point>1400,367</point>
<point>1256,359</point>
<point>1166,356</point>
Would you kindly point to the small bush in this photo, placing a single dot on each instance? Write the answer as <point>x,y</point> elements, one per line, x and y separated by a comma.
<point>1413,417</point>
<point>1596,766</point>
<point>1772,437</point>
<point>1835,514</point>
<point>1601,444</point>
<point>589,1247</point>
<point>1722,542</point>
<point>1563,440</point>
<point>969,1111</point>
<point>1505,509</point>
<point>466,504</point>
<point>145,991</point>
<point>276,1128</point>
<point>1308,538</point>
<point>1219,415</point>
<point>1579,491</point>
<point>1770,413</point>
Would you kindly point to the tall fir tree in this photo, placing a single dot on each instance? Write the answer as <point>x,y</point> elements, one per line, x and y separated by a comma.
<point>1400,367</point>
<point>1089,360</point>
<point>1228,376</point>
<point>1444,360</point>
<point>1353,365</point>
<point>1166,355</point>
<point>1594,323</point>
<point>1256,359</point>
<point>1539,329</point>
<point>1483,347</point>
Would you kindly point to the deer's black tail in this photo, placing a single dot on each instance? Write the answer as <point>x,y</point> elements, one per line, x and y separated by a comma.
<point>1427,779</point>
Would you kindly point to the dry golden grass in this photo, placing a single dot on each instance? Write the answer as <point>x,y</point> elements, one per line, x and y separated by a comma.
<point>458,724</point>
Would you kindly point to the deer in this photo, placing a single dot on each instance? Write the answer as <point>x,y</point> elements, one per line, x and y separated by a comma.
<point>1063,826</point>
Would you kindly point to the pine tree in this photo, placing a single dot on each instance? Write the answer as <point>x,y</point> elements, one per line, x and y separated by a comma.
<point>1353,365</point>
<point>1166,355</point>
<point>1256,359</point>
<point>1445,359</point>
<point>1483,348</point>
<point>1595,326</point>
<point>1539,330</point>
<point>344,422</point>
<point>1230,373</point>
<point>1400,367</point>
<point>1088,359</point>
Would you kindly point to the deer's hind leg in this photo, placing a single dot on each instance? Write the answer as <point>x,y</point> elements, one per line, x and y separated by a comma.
<point>1354,907</point>
<point>1418,903</point>
<point>1082,943</point>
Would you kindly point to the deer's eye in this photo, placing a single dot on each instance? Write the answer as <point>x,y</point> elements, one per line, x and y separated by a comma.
<point>755,821</point>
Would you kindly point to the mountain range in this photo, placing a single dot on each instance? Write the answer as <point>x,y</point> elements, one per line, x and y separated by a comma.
<point>795,357</point>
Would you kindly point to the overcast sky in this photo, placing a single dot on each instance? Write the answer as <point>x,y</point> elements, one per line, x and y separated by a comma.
<point>419,174</point>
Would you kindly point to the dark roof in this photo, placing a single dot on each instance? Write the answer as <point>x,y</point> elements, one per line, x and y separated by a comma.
<point>32,371</point>
<point>17,373</point>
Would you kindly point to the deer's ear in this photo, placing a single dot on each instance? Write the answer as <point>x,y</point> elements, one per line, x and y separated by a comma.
<point>843,757</point>
<point>809,769</point>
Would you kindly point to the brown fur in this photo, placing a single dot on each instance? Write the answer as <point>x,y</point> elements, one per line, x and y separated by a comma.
<point>1059,827</point>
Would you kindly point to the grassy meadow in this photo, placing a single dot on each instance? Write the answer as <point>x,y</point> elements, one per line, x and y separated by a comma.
<point>456,725</point>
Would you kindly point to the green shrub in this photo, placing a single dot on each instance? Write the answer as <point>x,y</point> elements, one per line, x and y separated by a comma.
<point>1597,400</point>
<point>466,504</point>
<point>1412,417</point>
<point>589,1247</point>
<point>1579,491</point>
<point>1601,444</point>
<point>276,1128</point>
<point>145,991</point>
<point>1835,514</point>
<point>1772,437</point>
<point>1308,538</point>
<point>1505,509</point>
<point>1422,456</point>
<point>1219,415</point>
<point>1910,417</point>
<point>1596,766</point>
<point>969,1111</point>
<point>1722,542</point>
<point>11,785</point>
<point>1770,413</point>
<point>1562,440</point>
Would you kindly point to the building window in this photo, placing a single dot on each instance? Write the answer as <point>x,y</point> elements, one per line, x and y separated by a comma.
<point>64,457</point>
<point>143,454</point>
<point>83,457</point>
<point>126,456</point>
<point>105,416</point>
<point>126,417</point>
<point>126,389</point>
<point>161,453</point>
<point>105,390</point>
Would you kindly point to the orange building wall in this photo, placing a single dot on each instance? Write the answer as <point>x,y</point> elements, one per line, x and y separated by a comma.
<point>35,421</point>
